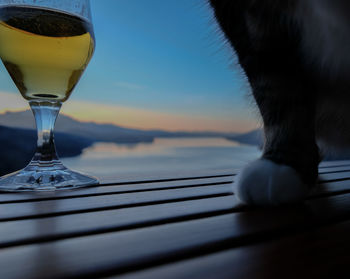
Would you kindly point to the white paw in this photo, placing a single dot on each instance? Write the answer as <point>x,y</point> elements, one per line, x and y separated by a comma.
<point>264,182</point>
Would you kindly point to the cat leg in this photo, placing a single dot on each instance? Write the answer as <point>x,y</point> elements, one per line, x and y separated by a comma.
<point>267,38</point>
<point>289,164</point>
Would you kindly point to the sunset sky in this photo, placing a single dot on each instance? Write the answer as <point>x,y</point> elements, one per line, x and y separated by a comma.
<point>159,64</point>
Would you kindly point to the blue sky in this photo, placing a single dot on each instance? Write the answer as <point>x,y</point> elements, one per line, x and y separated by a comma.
<point>163,57</point>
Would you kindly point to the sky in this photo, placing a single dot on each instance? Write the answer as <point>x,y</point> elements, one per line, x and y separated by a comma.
<point>158,64</point>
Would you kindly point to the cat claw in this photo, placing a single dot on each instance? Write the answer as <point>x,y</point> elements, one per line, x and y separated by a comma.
<point>266,183</point>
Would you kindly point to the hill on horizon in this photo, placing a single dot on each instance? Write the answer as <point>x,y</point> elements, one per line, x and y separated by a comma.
<point>17,147</point>
<point>255,137</point>
<point>18,137</point>
<point>100,132</point>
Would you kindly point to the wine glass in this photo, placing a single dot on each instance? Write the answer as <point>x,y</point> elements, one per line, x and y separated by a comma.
<point>45,46</point>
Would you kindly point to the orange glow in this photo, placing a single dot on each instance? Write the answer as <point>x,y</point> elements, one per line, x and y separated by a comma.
<point>135,117</point>
<point>147,119</point>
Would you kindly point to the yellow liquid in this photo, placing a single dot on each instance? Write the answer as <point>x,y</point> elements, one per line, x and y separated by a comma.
<point>44,55</point>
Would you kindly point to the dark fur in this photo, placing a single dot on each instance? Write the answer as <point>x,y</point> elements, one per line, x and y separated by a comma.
<point>291,86</point>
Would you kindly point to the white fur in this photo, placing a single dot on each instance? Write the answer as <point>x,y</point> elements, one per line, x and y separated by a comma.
<point>264,182</point>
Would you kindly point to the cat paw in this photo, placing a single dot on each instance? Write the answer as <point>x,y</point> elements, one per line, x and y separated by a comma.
<point>264,182</point>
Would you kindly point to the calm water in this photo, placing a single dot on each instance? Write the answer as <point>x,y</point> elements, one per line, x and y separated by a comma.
<point>163,157</point>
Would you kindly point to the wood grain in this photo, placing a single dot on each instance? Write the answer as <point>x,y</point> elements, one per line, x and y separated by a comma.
<point>180,227</point>
<point>118,252</point>
<point>117,188</point>
<point>316,254</point>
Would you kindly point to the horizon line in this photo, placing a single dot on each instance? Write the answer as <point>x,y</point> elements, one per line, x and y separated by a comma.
<point>6,111</point>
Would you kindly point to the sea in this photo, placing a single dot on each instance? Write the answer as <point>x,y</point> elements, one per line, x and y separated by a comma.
<point>163,158</point>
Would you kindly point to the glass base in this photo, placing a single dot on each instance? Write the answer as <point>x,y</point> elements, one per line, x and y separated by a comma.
<point>40,178</point>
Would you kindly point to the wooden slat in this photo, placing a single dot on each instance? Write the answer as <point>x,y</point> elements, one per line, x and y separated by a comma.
<point>334,169</point>
<point>67,206</point>
<point>114,189</point>
<point>333,176</point>
<point>24,231</point>
<point>45,229</point>
<point>129,250</point>
<point>326,164</point>
<point>156,184</point>
<point>322,253</point>
<point>164,176</point>
<point>137,186</point>
<point>118,228</point>
<point>51,207</point>
<point>331,188</point>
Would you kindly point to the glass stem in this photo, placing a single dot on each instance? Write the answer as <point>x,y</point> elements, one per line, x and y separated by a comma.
<point>45,113</point>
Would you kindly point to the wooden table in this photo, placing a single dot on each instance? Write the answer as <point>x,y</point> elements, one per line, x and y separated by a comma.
<point>186,227</point>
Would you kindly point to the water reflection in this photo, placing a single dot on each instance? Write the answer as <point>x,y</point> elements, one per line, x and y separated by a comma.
<point>160,146</point>
<point>163,155</point>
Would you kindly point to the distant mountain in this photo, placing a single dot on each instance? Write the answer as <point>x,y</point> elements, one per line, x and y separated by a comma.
<point>17,147</point>
<point>99,132</point>
<point>18,139</point>
<point>254,137</point>
<point>68,125</point>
